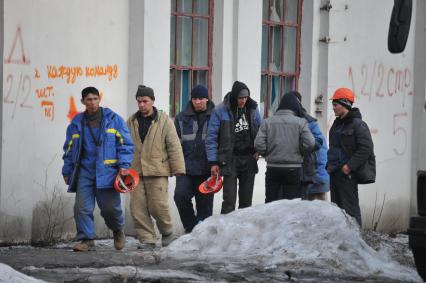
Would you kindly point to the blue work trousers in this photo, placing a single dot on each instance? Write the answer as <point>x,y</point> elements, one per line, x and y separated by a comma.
<point>108,201</point>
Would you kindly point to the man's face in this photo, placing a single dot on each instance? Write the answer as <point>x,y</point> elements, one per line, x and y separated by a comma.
<point>199,104</point>
<point>339,110</point>
<point>91,101</point>
<point>241,101</point>
<point>145,105</point>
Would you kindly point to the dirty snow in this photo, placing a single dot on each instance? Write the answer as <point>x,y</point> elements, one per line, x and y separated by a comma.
<point>122,274</point>
<point>304,236</point>
<point>10,275</point>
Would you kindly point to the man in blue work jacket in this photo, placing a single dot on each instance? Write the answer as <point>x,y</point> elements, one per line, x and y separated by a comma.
<point>98,146</point>
<point>191,126</point>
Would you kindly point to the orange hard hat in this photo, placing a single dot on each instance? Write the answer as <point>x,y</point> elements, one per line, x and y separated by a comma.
<point>212,185</point>
<point>127,183</point>
<point>343,93</point>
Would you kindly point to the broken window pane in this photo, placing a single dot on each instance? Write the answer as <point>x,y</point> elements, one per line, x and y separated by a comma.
<point>277,11</point>
<point>275,49</point>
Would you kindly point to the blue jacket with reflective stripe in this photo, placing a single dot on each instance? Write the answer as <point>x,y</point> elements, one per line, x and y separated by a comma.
<point>115,150</point>
<point>192,132</point>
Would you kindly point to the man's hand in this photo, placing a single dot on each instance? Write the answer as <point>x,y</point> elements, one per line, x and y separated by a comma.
<point>214,170</point>
<point>346,170</point>
<point>256,156</point>
<point>124,172</point>
<point>66,179</point>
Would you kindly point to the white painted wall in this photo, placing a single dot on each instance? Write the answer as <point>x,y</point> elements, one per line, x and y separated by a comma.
<point>52,33</point>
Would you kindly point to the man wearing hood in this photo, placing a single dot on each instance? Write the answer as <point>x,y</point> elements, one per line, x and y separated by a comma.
<point>191,126</point>
<point>283,140</point>
<point>230,145</point>
<point>351,159</point>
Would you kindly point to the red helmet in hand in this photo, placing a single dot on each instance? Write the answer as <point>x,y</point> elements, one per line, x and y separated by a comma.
<point>127,183</point>
<point>212,185</point>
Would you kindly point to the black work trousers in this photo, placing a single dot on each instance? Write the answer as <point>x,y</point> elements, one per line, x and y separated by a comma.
<point>186,189</point>
<point>344,193</point>
<point>244,170</point>
<point>283,183</point>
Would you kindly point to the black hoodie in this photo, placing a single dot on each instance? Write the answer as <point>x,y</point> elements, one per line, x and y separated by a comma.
<point>244,143</point>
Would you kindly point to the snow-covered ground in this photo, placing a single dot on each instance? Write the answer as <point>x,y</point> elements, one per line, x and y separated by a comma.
<point>10,275</point>
<point>314,237</point>
<point>281,241</point>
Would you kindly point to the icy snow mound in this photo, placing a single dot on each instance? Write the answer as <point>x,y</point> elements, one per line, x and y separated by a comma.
<point>10,275</point>
<point>307,236</point>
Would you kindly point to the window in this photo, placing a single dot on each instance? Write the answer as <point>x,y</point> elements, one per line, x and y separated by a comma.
<point>191,28</point>
<point>280,51</point>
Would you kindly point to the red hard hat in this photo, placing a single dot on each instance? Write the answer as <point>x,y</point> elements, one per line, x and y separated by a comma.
<point>127,183</point>
<point>212,185</point>
<point>345,93</point>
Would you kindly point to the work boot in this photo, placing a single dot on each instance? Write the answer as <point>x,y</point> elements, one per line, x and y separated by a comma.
<point>146,246</point>
<point>85,246</point>
<point>119,239</point>
<point>167,239</point>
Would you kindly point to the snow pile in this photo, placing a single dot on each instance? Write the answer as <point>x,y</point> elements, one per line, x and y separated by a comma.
<point>10,275</point>
<point>316,237</point>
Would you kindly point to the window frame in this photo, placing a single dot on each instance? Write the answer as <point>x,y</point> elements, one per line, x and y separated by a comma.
<point>282,74</point>
<point>175,97</point>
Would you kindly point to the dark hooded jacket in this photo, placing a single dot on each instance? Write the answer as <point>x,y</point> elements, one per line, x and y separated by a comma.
<point>351,144</point>
<point>221,134</point>
<point>191,128</point>
<point>289,101</point>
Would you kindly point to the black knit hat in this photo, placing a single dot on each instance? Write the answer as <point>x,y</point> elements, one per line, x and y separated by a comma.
<point>344,102</point>
<point>145,91</point>
<point>200,91</point>
<point>89,90</point>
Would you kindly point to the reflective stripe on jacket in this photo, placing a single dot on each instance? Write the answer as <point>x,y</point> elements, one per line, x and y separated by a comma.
<point>115,150</point>
<point>192,131</point>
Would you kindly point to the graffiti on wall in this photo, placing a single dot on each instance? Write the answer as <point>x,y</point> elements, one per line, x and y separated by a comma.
<point>17,82</point>
<point>68,75</point>
<point>50,80</point>
<point>380,83</point>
